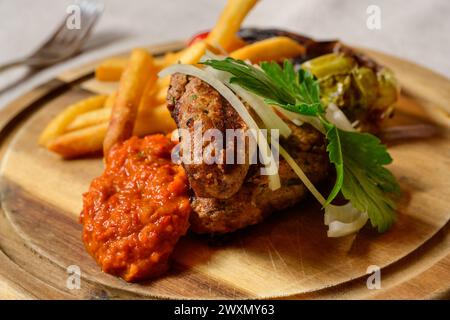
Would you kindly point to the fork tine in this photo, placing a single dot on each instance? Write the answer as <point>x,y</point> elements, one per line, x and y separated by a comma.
<point>58,37</point>
<point>87,10</point>
<point>90,13</point>
<point>65,42</point>
<point>64,36</point>
<point>73,39</point>
<point>61,29</point>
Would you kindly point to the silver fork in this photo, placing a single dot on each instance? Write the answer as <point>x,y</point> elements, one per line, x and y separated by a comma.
<point>65,42</point>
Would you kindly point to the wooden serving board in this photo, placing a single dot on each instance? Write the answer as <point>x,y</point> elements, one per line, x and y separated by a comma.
<point>287,256</point>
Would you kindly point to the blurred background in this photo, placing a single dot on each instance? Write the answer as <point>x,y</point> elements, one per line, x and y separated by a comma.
<point>416,30</point>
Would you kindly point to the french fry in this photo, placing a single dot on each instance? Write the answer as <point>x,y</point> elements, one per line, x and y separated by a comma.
<point>148,97</point>
<point>156,94</point>
<point>100,87</point>
<point>59,124</point>
<point>154,120</point>
<point>94,117</point>
<point>131,88</point>
<point>80,142</point>
<point>89,140</point>
<point>161,96</point>
<point>162,83</point>
<point>272,49</point>
<point>110,69</point>
<point>167,60</point>
<point>109,103</point>
<point>139,104</point>
<point>236,43</point>
<point>223,34</point>
<point>89,119</point>
<point>193,53</point>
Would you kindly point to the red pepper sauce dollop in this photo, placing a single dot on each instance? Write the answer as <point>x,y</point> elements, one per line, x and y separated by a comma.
<point>135,212</point>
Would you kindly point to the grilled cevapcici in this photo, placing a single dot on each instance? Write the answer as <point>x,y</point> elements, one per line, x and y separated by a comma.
<point>143,203</point>
<point>227,197</point>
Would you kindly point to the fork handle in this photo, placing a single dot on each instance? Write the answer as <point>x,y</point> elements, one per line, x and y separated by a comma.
<point>11,64</point>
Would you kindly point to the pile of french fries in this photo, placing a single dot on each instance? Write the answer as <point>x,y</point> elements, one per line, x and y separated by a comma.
<point>139,105</point>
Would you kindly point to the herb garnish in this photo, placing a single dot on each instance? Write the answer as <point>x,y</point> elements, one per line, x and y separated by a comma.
<point>359,158</point>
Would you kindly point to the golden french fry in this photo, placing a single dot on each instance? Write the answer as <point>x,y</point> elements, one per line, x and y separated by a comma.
<point>193,53</point>
<point>160,63</point>
<point>109,103</point>
<point>99,87</point>
<point>89,140</point>
<point>272,49</point>
<point>236,43</point>
<point>167,60</point>
<point>131,88</point>
<point>154,120</point>
<point>59,124</point>
<point>229,23</point>
<point>148,97</point>
<point>110,69</point>
<point>156,94</point>
<point>80,142</point>
<point>90,118</point>
<point>94,117</point>
<point>162,83</point>
<point>161,96</point>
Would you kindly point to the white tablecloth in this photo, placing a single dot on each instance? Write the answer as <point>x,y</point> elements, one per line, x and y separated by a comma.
<point>413,29</point>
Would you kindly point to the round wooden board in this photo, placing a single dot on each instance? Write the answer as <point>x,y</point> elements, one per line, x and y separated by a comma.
<point>287,256</point>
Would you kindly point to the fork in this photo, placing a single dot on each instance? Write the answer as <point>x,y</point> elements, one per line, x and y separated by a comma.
<point>65,42</point>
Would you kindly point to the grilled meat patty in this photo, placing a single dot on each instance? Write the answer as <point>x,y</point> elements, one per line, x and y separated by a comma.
<point>244,196</point>
<point>192,101</point>
<point>254,200</point>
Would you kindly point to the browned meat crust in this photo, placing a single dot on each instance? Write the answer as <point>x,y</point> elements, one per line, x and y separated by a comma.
<point>254,201</point>
<point>227,198</point>
<point>191,100</point>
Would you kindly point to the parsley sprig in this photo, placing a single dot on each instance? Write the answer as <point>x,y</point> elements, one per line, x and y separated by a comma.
<point>359,158</point>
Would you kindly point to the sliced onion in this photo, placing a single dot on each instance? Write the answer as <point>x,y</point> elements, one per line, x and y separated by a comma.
<point>308,184</point>
<point>341,220</point>
<point>299,118</point>
<point>227,94</point>
<point>265,112</point>
<point>338,118</point>
<point>338,228</point>
<point>345,214</point>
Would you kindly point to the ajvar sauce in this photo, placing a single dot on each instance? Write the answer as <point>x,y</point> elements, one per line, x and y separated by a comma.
<point>135,212</point>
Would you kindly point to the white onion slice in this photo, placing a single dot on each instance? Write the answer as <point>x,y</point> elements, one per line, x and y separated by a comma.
<point>227,94</point>
<point>340,229</point>
<point>308,184</point>
<point>265,112</point>
<point>299,118</point>
<point>338,118</point>
<point>345,214</point>
<point>341,220</point>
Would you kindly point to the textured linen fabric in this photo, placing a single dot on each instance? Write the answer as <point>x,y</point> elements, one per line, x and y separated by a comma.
<point>416,30</point>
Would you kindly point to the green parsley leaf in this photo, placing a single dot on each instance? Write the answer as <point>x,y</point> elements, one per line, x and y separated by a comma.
<point>282,87</point>
<point>368,185</point>
<point>359,158</point>
<point>252,79</point>
<point>334,150</point>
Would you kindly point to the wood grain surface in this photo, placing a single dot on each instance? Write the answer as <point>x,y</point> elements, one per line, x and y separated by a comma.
<point>287,256</point>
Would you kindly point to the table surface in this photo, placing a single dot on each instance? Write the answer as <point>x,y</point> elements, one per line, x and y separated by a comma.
<point>412,29</point>
<point>416,30</point>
